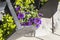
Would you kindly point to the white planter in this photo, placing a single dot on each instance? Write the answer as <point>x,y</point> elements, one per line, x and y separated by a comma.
<point>45,27</point>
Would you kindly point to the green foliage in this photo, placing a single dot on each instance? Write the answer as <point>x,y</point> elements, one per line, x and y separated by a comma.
<point>24,2</point>
<point>7,27</point>
<point>26,6</point>
<point>43,2</point>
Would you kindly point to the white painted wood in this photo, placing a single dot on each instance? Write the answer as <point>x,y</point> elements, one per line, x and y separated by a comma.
<point>45,27</point>
<point>57,20</point>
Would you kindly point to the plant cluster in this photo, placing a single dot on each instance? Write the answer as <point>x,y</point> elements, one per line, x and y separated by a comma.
<point>7,26</point>
<point>27,13</point>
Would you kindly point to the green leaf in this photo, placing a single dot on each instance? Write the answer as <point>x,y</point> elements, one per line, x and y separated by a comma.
<point>1,35</point>
<point>13,26</point>
<point>1,30</point>
<point>18,2</point>
<point>8,24</point>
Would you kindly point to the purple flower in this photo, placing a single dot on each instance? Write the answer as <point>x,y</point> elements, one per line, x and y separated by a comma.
<point>22,24</point>
<point>26,24</point>
<point>37,26</point>
<point>20,16</point>
<point>40,14</point>
<point>27,13</point>
<point>31,20</point>
<point>37,21</point>
<point>17,8</point>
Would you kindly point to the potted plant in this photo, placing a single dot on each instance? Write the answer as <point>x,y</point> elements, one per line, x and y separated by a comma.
<point>22,15</point>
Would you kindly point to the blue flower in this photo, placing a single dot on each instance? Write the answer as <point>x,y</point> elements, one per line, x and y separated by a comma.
<point>20,16</point>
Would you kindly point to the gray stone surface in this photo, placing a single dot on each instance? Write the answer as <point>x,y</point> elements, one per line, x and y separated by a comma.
<point>2,5</point>
<point>14,15</point>
<point>1,16</point>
